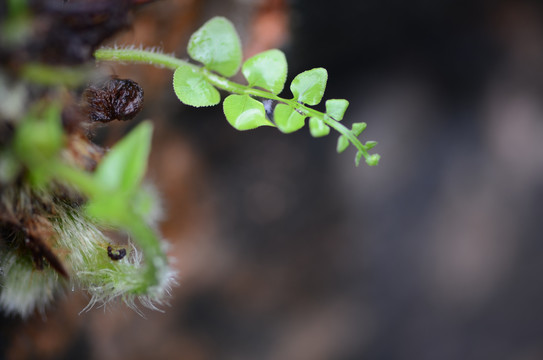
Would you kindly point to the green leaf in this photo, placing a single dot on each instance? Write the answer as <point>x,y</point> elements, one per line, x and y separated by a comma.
<point>267,70</point>
<point>193,89</point>
<point>308,87</point>
<point>245,113</point>
<point>288,119</point>
<point>40,135</point>
<point>373,159</point>
<point>318,128</point>
<point>217,45</point>
<point>111,209</point>
<point>357,128</point>
<point>336,108</point>
<point>370,144</point>
<point>123,167</point>
<point>342,144</point>
<point>357,158</point>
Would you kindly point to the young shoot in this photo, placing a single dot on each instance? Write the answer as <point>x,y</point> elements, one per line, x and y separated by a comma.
<point>217,46</point>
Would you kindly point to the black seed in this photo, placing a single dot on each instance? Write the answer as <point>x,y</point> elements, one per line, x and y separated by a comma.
<point>116,254</point>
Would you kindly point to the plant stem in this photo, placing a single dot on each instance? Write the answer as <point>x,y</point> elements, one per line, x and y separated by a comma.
<point>171,62</point>
<point>141,56</point>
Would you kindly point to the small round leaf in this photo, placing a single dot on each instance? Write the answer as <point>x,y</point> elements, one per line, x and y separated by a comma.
<point>308,87</point>
<point>336,108</point>
<point>193,89</point>
<point>244,112</point>
<point>318,128</point>
<point>373,159</point>
<point>288,119</point>
<point>217,45</point>
<point>267,70</point>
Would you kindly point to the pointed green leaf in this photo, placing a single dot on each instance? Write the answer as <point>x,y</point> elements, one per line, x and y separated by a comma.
<point>109,208</point>
<point>287,119</point>
<point>308,87</point>
<point>336,108</point>
<point>342,144</point>
<point>244,112</point>
<point>318,128</point>
<point>123,167</point>
<point>267,70</point>
<point>217,45</point>
<point>370,144</point>
<point>193,89</point>
<point>357,128</point>
<point>357,158</point>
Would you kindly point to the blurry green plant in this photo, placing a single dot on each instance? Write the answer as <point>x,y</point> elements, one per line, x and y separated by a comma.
<point>115,199</point>
<point>218,47</point>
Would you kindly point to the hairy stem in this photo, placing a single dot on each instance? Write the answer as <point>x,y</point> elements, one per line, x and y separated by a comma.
<point>143,235</point>
<point>220,82</point>
<point>142,57</point>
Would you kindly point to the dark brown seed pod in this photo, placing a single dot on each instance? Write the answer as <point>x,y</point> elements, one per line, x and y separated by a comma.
<point>116,99</point>
<point>116,254</point>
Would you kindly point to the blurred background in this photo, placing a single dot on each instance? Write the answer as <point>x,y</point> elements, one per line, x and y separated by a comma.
<point>286,250</point>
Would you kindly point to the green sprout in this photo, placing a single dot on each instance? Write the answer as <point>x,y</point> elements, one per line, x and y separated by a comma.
<point>217,46</point>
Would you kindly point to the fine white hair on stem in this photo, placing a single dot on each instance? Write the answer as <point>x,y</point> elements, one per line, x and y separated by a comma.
<point>107,280</point>
<point>140,48</point>
<point>82,248</point>
<point>25,290</point>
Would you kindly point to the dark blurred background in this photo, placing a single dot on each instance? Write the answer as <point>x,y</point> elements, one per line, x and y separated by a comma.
<point>287,251</point>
